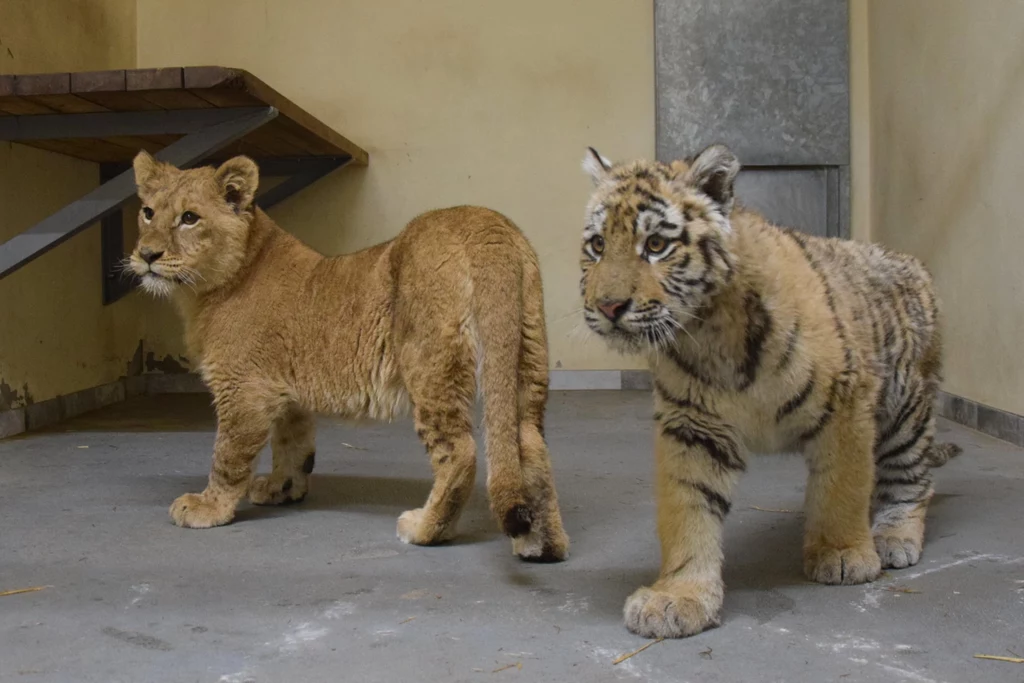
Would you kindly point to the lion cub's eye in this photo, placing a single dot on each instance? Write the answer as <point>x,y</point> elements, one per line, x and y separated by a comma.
<point>147,213</point>
<point>189,218</point>
<point>597,244</point>
<point>655,244</point>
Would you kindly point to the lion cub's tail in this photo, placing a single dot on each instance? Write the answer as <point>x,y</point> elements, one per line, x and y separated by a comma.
<point>498,308</point>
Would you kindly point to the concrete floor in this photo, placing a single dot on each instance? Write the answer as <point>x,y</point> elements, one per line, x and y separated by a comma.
<point>324,591</point>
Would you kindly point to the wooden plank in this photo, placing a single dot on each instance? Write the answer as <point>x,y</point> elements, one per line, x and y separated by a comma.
<point>244,147</point>
<point>174,99</point>
<point>302,141</point>
<point>120,101</point>
<point>90,150</point>
<point>133,143</point>
<point>218,85</point>
<point>13,87</point>
<point>195,77</point>
<point>154,79</point>
<point>163,88</point>
<point>272,144</point>
<point>67,104</point>
<point>303,119</point>
<point>108,89</point>
<point>98,81</point>
<point>224,97</point>
<point>19,106</point>
<point>42,84</point>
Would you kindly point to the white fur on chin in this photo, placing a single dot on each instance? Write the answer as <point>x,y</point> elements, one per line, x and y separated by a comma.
<point>156,285</point>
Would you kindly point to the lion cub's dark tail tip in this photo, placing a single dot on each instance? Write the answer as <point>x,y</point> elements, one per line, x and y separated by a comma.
<point>941,453</point>
<point>518,521</point>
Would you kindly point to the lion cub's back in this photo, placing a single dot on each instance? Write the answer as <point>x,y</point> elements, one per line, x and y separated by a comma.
<point>461,226</point>
<point>458,240</point>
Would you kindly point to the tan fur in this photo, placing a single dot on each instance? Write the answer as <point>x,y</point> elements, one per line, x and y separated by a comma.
<point>281,333</point>
<point>763,340</point>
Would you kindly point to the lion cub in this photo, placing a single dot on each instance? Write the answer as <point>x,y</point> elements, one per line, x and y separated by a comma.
<point>282,332</point>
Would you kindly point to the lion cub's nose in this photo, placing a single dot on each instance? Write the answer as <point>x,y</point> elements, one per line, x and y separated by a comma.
<point>148,255</point>
<point>613,309</point>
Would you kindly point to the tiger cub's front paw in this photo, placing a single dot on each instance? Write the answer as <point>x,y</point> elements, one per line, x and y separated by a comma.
<point>679,613</point>
<point>201,511</point>
<point>846,566</point>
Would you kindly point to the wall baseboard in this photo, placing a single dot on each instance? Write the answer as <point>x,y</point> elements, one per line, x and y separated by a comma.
<point>43,414</point>
<point>991,421</point>
<point>590,380</point>
<point>980,417</point>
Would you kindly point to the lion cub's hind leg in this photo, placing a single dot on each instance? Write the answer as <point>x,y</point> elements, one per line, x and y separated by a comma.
<point>547,540</point>
<point>293,445</point>
<point>439,368</point>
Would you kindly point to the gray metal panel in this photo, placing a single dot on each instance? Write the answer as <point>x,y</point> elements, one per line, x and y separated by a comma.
<point>789,197</point>
<point>769,78</point>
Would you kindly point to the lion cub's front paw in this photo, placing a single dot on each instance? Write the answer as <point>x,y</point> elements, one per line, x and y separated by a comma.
<point>267,490</point>
<point>658,614</point>
<point>416,527</point>
<point>847,566</point>
<point>199,511</point>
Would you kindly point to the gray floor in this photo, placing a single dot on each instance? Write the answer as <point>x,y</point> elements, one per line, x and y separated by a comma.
<point>324,591</point>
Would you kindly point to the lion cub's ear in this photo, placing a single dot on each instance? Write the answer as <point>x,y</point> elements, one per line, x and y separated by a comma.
<point>239,177</point>
<point>147,169</point>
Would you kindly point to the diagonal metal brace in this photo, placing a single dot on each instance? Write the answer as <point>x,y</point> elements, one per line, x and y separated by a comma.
<point>301,173</point>
<point>109,197</point>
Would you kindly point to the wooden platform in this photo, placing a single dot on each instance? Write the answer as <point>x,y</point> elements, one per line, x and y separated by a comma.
<point>293,133</point>
<point>183,115</point>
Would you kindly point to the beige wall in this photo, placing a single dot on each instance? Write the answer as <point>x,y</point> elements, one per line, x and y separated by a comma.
<point>860,122</point>
<point>55,335</point>
<point>947,167</point>
<point>457,101</point>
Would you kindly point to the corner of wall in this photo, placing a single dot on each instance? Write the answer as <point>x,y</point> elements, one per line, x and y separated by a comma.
<point>861,212</point>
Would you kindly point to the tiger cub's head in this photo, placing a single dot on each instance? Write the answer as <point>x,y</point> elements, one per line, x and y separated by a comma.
<point>655,245</point>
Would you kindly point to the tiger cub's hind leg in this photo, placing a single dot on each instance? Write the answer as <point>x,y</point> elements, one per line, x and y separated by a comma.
<point>903,484</point>
<point>837,542</point>
<point>293,446</point>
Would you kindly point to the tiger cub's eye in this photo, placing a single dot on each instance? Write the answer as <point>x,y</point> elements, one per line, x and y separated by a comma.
<point>655,244</point>
<point>597,244</point>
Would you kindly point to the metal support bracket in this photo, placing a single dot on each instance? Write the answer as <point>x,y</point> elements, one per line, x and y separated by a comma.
<point>301,173</point>
<point>198,144</point>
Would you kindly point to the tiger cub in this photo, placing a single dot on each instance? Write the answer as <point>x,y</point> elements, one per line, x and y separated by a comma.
<point>762,339</point>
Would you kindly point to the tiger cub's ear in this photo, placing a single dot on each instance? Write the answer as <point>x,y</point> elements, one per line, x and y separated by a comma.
<point>714,172</point>
<point>596,165</point>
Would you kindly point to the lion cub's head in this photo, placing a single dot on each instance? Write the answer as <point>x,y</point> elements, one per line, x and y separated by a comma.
<point>193,224</point>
